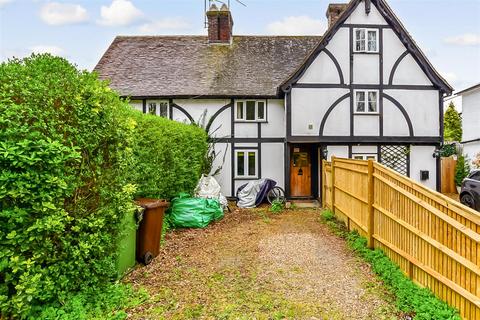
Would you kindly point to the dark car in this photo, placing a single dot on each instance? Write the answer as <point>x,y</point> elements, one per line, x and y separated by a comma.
<point>470,193</point>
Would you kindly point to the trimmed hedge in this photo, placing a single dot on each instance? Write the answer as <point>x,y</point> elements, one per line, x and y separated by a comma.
<point>69,150</point>
<point>168,155</point>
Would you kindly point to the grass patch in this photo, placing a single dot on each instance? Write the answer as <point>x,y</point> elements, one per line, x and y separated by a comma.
<point>93,304</point>
<point>411,299</point>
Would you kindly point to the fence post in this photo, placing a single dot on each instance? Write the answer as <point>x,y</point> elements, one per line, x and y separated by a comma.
<point>371,199</point>
<point>323,183</point>
<point>333,184</point>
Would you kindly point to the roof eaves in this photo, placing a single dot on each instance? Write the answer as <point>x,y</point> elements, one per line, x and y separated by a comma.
<point>412,46</point>
<point>325,39</point>
<point>476,86</point>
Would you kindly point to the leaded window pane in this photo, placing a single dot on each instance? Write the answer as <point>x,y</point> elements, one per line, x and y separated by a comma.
<point>372,41</point>
<point>240,110</point>
<point>164,109</point>
<point>372,101</point>
<point>360,39</point>
<point>261,110</point>
<point>361,107</point>
<point>240,164</point>
<point>250,110</point>
<point>251,164</point>
<point>152,108</point>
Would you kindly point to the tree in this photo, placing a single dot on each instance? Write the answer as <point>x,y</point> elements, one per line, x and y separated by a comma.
<point>452,124</point>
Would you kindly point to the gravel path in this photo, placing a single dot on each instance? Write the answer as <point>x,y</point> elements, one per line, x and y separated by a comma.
<point>256,265</point>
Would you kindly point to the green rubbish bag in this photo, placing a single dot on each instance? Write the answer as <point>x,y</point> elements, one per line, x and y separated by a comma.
<point>188,212</point>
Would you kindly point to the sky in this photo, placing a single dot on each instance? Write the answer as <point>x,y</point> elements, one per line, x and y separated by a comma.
<point>448,31</point>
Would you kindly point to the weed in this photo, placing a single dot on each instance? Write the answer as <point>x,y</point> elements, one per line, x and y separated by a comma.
<point>277,206</point>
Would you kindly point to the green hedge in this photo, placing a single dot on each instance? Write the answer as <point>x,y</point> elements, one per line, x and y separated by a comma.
<point>70,149</point>
<point>168,156</point>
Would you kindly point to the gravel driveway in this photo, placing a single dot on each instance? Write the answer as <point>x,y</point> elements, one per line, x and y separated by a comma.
<point>257,265</point>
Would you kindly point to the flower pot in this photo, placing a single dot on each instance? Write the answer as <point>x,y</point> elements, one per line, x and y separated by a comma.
<point>150,229</point>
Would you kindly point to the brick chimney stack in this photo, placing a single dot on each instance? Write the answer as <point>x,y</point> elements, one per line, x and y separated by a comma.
<point>334,11</point>
<point>220,25</point>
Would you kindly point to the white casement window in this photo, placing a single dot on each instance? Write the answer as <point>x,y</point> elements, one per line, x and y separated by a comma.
<point>366,40</point>
<point>158,108</point>
<point>246,165</point>
<point>250,110</point>
<point>364,156</point>
<point>366,101</point>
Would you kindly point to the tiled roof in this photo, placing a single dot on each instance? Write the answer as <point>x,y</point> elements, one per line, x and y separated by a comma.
<point>147,66</point>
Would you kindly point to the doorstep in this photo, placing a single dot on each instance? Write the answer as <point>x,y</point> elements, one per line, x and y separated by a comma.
<point>306,203</point>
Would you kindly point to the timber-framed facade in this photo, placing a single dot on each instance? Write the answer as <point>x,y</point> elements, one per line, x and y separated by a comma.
<point>362,90</point>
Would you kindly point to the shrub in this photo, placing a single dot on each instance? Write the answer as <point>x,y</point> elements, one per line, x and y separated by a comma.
<point>63,149</point>
<point>452,124</point>
<point>168,156</point>
<point>448,150</point>
<point>462,170</point>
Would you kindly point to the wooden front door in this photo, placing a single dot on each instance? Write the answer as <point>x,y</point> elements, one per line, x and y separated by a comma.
<point>301,171</point>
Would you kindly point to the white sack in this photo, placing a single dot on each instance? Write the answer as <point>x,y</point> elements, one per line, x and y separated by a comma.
<point>209,188</point>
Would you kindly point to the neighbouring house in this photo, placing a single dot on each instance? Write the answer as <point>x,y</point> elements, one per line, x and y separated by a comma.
<point>471,120</point>
<point>280,104</point>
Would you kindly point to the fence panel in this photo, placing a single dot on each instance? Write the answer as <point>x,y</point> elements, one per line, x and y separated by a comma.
<point>433,239</point>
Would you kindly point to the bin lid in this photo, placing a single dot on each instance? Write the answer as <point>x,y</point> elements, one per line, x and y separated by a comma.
<point>149,203</point>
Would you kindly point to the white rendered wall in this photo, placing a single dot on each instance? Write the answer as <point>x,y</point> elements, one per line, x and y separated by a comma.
<point>471,115</point>
<point>366,125</point>
<point>422,106</point>
<point>309,105</point>
<point>196,107</point>
<point>394,122</point>
<point>421,159</point>
<point>322,70</point>
<point>273,163</point>
<point>393,48</point>
<point>409,72</point>
<point>366,68</point>
<point>224,177</point>
<point>275,125</point>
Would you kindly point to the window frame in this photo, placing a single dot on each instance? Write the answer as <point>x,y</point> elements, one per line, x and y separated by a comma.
<point>244,110</point>
<point>365,155</point>
<point>157,111</point>
<point>365,40</point>
<point>246,174</point>
<point>366,92</point>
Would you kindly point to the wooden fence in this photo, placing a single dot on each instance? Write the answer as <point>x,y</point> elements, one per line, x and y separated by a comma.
<point>448,175</point>
<point>434,239</point>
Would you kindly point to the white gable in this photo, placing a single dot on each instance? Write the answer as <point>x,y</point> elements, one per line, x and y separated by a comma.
<point>322,70</point>
<point>409,72</point>
<point>359,16</point>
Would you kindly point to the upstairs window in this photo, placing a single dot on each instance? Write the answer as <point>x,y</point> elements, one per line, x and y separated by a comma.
<point>366,101</point>
<point>250,110</point>
<point>246,163</point>
<point>158,108</point>
<point>366,40</point>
